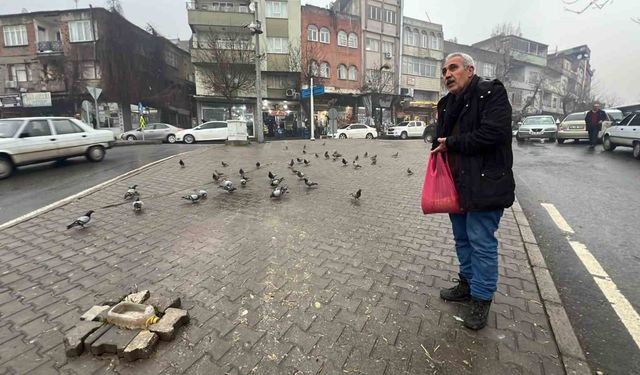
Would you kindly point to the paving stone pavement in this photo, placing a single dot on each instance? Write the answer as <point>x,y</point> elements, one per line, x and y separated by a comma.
<point>311,284</point>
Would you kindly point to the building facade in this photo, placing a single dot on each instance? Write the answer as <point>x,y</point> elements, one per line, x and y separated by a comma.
<point>49,59</point>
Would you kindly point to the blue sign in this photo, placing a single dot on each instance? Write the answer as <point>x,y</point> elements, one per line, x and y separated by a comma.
<point>140,108</point>
<point>317,90</point>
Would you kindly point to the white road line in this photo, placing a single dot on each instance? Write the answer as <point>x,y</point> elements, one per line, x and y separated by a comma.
<point>629,317</point>
<point>557,218</point>
<point>90,190</point>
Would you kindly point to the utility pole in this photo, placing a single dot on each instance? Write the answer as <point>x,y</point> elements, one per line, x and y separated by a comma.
<point>311,121</point>
<point>257,121</point>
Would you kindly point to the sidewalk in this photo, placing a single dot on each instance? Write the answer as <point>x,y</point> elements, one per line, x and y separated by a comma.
<point>309,284</point>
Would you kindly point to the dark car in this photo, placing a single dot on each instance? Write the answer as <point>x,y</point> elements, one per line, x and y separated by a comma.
<point>429,133</point>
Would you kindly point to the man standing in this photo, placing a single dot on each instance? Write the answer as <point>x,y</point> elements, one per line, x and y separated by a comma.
<point>474,130</point>
<point>594,119</point>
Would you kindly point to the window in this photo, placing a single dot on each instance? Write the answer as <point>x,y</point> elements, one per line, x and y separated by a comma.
<point>375,13</point>
<point>80,31</point>
<point>533,78</point>
<point>66,127</point>
<point>409,37</point>
<point>488,70</point>
<point>325,35</point>
<point>373,45</point>
<point>353,73</point>
<point>222,7</point>
<point>276,9</point>
<point>419,67</point>
<point>353,40</point>
<point>554,102</point>
<point>424,42</point>
<point>313,68</point>
<point>635,121</point>
<point>342,72</point>
<point>36,128</point>
<point>389,16</point>
<point>516,97</point>
<point>433,40</point>
<point>15,36</point>
<point>324,70</point>
<point>88,70</point>
<point>387,47</point>
<point>312,33</point>
<point>277,45</point>
<point>171,59</point>
<point>342,38</point>
<point>20,72</point>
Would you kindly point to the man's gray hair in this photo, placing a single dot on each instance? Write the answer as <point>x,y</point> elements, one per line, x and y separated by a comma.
<point>467,60</point>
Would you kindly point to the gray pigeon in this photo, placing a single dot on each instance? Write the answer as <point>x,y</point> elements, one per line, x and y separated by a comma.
<point>194,198</point>
<point>277,181</point>
<point>310,183</point>
<point>409,171</point>
<point>131,192</point>
<point>357,194</point>
<point>137,205</point>
<point>227,185</point>
<point>279,192</point>
<point>82,220</point>
<point>202,193</point>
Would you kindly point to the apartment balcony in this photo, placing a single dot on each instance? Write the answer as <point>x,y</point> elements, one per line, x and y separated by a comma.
<point>50,48</point>
<point>214,14</point>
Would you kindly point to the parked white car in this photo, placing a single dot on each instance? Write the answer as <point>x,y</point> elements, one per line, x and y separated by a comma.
<point>626,133</point>
<point>208,131</point>
<point>407,129</point>
<point>37,139</point>
<point>356,131</point>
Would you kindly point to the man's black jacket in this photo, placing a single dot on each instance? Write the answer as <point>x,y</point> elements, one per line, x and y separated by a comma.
<point>485,180</point>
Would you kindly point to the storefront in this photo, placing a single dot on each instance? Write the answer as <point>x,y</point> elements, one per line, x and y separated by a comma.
<point>417,111</point>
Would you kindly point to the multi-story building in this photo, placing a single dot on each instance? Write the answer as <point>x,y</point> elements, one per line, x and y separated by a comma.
<point>48,59</point>
<point>568,87</point>
<point>223,52</point>
<point>488,63</point>
<point>422,55</point>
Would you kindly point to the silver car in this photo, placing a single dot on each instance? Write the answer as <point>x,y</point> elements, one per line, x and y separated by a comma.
<point>157,130</point>
<point>537,127</point>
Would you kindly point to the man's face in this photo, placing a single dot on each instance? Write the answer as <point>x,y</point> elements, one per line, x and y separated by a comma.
<point>596,107</point>
<point>456,77</point>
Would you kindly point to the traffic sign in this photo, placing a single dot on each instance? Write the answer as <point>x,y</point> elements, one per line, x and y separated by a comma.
<point>142,122</point>
<point>317,90</point>
<point>140,108</point>
<point>94,92</point>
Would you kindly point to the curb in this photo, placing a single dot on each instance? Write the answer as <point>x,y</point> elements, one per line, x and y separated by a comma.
<point>571,353</point>
<point>120,143</point>
<point>83,193</point>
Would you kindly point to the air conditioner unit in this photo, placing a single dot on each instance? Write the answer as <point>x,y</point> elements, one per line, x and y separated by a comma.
<point>11,84</point>
<point>290,93</point>
<point>406,92</point>
<point>388,55</point>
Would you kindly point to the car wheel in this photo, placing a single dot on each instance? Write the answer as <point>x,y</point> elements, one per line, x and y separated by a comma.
<point>404,135</point>
<point>576,141</point>
<point>607,145</point>
<point>636,150</point>
<point>171,138</point>
<point>369,136</point>
<point>189,139</point>
<point>552,140</point>
<point>343,136</point>
<point>6,167</point>
<point>560,140</point>
<point>131,138</point>
<point>95,153</point>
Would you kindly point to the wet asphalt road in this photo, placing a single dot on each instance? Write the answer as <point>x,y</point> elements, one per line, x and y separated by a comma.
<point>598,193</point>
<point>35,186</point>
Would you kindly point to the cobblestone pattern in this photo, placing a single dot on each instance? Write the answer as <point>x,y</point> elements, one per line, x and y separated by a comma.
<point>312,283</point>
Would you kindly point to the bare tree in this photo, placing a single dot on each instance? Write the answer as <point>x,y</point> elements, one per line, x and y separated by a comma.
<point>228,63</point>
<point>306,59</point>
<point>114,6</point>
<point>581,6</point>
<point>506,28</point>
<point>378,84</point>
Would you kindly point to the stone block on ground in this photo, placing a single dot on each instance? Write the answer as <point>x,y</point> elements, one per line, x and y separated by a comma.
<point>141,346</point>
<point>163,301</point>
<point>95,313</point>
<point>170,322</point>
<point>94,336</point>
<point>113,341</point>
<point>73,339</point>
<point>138,297</point>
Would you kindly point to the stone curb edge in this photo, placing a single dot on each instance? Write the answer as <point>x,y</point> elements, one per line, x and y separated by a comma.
<point>83,193</point>
<point>123,143</point>
<point>571,352</point>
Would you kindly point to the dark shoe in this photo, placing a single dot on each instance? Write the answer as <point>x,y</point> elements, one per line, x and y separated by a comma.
<point>460,292</point>
<point>477,314</point>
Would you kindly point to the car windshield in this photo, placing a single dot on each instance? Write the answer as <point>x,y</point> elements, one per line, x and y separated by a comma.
<point>539,121</point>
<point>616,115</point>
<point>404,123</point>
<point>574,117</point>
<point>8,128</point>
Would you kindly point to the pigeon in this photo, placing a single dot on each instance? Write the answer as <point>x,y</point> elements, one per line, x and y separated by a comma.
<point>299,160</point>
<point>291,163</point>
<point>300,175</point>
<point>276,181</point>
<point>395,155</point>
<point>317,156</point>
<point>241,172</point>
<point>409,171</point>
<point>181,163</point>
<point>374,161</point>
<point>279,192</point>
<point>356,158</point>
<point>309,183</point>
<point>286,147</point>
<point>219,173</point>
<point>194,198</point>
<point>295,171</point>
<point>344,162</point>
<point>131,192</point>
<point>326,154</point>
<point>374,156</point>
<point>366,154</point>
<point>228,186</point>
<point>356,165</point>
<point>137,205</point>
<point>357,194</point>
<point>272,176</point>
<point>202,193</point>
<point>304,152</point>
<point>258,165</point>
<point>337,154</point>
<point>324,143</point>
<point>306,162</point>
<point>224,165</point>
<point>243,181</point>
<point>82,220</point>
<point>216,177</point>
<point>304,147</point>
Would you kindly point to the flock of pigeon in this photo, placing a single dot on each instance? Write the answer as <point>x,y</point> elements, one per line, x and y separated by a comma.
<point>278,189</point>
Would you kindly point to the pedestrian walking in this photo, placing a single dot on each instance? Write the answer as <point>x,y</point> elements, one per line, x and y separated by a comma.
<point>594,119</point>
<point>474,130</point>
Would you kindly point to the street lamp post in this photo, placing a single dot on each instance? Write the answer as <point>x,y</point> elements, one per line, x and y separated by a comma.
<point>256,29</point>
<point>382,86</point>
<point>311,105</point>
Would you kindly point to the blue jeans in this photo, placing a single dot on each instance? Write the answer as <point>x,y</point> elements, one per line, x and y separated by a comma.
<point>477,248</point>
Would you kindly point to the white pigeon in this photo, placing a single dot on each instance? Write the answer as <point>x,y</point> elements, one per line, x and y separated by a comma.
<point>82,220</point>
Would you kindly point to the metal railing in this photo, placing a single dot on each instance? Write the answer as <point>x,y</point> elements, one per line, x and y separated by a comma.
<point>50,46</point>
<point>218,7</point>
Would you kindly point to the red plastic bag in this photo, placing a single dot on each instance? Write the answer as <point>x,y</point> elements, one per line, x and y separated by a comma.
<point>439,194</point>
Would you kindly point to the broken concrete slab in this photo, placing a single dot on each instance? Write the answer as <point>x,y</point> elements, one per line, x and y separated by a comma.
<point>173,319</point>
<point>141,346</point>
<point>73,339</point>
<point>95,313</point>
<point>138,297</point>
<point>113,341</point>
<point>161,302</point>
<point>94,336</point>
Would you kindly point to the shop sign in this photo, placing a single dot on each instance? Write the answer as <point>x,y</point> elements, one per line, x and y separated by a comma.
<point>36,99</point>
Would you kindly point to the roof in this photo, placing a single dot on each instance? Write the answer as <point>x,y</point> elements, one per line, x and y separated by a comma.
<point>50,12</point>
<point>509,36</point>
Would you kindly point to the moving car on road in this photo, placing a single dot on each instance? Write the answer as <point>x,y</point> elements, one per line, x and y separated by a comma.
<point>407,129</point>
<point>356,131</point>
<point>37,139</point>
<point>162,131</point>
<point>574,127</point>
<point>537,127</point>
<point>626,133</point>
<point>208,131</point>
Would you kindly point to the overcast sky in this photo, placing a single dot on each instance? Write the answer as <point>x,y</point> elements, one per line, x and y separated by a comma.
<point>609,32</point>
